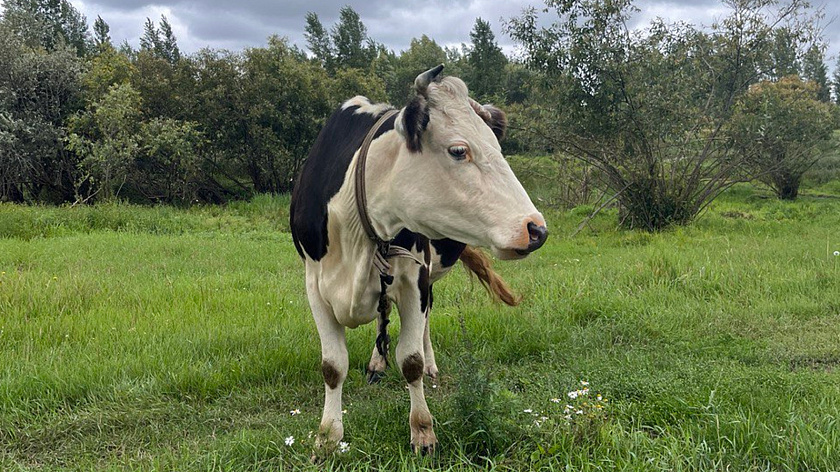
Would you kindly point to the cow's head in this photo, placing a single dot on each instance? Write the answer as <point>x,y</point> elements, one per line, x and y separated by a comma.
<point>462,187</point>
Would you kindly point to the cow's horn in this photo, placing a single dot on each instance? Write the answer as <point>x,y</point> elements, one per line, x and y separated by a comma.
<point>421,83</point>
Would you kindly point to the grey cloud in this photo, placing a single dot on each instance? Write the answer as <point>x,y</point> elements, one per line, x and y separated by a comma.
<point>234,25</point>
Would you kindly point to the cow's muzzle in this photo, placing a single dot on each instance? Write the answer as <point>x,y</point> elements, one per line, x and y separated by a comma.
<point>537,234</point>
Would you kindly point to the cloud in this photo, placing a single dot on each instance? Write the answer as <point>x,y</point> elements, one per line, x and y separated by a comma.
<point>235,25</point>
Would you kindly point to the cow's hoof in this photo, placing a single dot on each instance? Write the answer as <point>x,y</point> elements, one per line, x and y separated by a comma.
<point>432,371</point>
<point>374,377</point>
<point>424,449</point>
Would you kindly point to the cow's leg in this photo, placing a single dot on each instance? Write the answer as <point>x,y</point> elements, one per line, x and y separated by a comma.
<point>379,356</point>
<point>410,358</point>
<point>428,353</point>
<point>334,365</point>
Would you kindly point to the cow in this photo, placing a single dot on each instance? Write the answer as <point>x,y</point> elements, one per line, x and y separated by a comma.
<point>386,203</point>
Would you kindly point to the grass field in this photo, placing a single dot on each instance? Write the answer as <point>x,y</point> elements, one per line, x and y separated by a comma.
<point>137,338</point>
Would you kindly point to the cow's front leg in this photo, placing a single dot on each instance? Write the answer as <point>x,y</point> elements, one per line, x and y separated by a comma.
<point>410,358</point>
<point>334,365</point>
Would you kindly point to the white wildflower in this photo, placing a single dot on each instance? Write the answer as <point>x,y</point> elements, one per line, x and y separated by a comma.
<point>527,410</point>
<point>555,400</point>
<point>294,412</point>
<point>579,412</point>
<point>584,383</point>
<point>343,447</point>
<point>573,394</point>
<point>290,440</point>
<point>837,253</point>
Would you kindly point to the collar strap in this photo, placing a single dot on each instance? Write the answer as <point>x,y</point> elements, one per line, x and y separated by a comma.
<point>361,195</point>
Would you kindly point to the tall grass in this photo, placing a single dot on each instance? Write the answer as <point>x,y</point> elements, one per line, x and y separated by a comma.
<point>154,338</point>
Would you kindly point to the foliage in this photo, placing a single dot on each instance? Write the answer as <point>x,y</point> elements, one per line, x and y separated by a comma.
<point>486,75</point>
<point>47,24</point>
<point>780,127</point>
<point>39,90</point>
<point>815,70</point>
<point>646,108</point>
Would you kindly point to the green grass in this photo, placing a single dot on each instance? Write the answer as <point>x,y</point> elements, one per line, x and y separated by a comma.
<point>154,338</point>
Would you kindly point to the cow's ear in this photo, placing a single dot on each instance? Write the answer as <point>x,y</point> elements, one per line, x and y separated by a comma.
<point>494,117</point>
<point>412,122</point>
<point>497,122</point>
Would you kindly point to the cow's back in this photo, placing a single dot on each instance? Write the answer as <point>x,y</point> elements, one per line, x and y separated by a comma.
<point>324,172</point>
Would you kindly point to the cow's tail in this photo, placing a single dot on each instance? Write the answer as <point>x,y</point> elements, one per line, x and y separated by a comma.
<point>478,263</point>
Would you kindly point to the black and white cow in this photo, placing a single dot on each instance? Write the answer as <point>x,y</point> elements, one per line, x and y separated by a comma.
<point>434,170</point>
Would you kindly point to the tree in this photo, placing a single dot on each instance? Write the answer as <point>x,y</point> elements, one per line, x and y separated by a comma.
<point>837,82</point>
<point>487,62</point>
<point>421,54</point>
<point>39,89</point>
<point>784,55</point>
<point>285,99</point>
<point>106,136</point>
<point>815,70</point>
<point>318,41</point>
<point>160,42</point>
<point>48,24</point>
<point>779,127</point>
<point>648,108</point>
<point>351,44</point>
<point>101,34</point>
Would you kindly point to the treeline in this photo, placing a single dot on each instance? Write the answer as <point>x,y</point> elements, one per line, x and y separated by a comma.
<point>83,119</point>
<point>660,119</point>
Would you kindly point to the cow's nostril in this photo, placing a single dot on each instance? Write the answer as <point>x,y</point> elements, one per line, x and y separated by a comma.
<point>536,236</point>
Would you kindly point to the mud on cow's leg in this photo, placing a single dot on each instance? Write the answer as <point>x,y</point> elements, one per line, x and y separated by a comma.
<point>379,357</point>
<point>334,365</point>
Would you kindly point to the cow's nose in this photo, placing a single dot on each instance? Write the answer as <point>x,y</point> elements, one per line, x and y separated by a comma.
<point>537,234</point>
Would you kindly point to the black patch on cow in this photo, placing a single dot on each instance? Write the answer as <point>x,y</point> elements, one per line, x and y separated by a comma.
<point>431,298</point>
<point>322,175</point>
<point>331,375</point>
<point>415,121</point>
<point>448,250</point>
<point>412,367</point>
<point>423,285</point>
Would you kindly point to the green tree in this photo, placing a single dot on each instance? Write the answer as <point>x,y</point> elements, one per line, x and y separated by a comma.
<point>101,34</point>
<point>39,89</point>
<point>167,164</point>
<point>648,109</point>
<point>49,24</point>
<point>286,99</point>
<point>106,137</point>
<point>421,54</point>
<point>784,55</point>
<point>351,45</point>
<point>487,62</point>
<point>815,70</point>
<point>319,42</point>
<point>161,41</point>
<point>779,127</point>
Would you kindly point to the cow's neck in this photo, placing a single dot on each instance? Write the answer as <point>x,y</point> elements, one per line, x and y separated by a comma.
<point>350,251</point>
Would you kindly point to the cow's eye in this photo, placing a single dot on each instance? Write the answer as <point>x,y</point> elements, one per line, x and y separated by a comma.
<point>458,152</point>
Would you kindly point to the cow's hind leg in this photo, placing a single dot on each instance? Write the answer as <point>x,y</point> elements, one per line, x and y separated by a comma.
<point>334,365</point>
<point>379,357</point>
<point>428,353</point>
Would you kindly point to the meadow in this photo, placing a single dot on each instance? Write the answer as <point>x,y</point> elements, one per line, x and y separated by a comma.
<point>158,338</point>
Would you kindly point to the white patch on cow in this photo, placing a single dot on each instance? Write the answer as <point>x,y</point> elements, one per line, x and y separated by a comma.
<point>365,106</point>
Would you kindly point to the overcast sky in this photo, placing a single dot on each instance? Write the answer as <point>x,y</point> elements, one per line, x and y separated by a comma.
<point>234,25</point>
